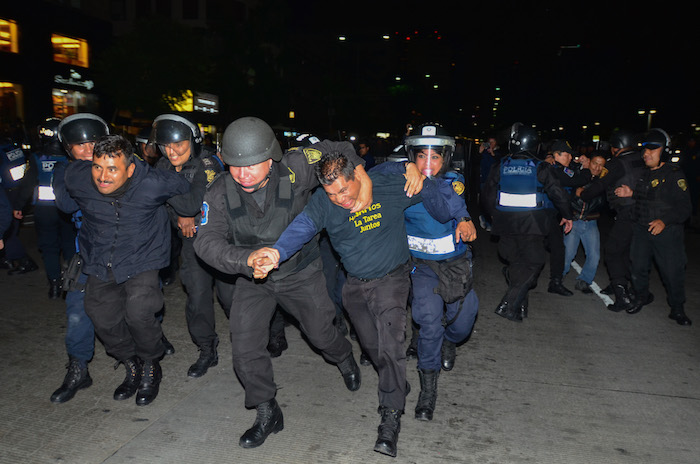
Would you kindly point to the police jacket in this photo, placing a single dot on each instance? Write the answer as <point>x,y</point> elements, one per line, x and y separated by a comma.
<point>199,172</point>
<point>126,232</point>
<point>519,192</point>
<point>46,162</point>
<point>571,178</point>
<point>624,169</point>
<point>233,224</point>
<point>18,173</point>
<point>662,194</point>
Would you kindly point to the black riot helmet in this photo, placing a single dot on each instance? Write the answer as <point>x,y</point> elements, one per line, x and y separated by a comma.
<point>658,138</point>
<point>431,136</point>
<point>248,141</point>
<point>622,139</point>
<point>48,130</point>
<point>523,139</point>
<point>81,128</point>
<point>172,128</point>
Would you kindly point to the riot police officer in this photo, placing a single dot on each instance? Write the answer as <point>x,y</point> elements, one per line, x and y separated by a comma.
<point>55,231</point>
<point>78,134</point>
<point>519,191</point>
<point>662,205</point>
<point>624,168</point>
<point>18,183</point>
<point>244,210</point>
<point>181,142</point>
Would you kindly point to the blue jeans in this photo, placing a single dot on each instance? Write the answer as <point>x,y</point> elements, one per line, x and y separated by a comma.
<point>427,310</point>
<point>80,333</point>
<point>587,234</point>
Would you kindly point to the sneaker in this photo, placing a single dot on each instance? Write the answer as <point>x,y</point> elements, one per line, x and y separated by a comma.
<point>583,286</point>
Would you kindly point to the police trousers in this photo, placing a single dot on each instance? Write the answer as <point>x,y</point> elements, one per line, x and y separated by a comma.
<point>668,251</point>
<point>124,315</point>
<point>617,250</point>
<point>302,295</point>
<point>199,281</point>
<point>525,255</point>
<point>377,310</point>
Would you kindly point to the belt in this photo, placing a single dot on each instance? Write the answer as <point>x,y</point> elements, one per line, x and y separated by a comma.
<point>392,272</point>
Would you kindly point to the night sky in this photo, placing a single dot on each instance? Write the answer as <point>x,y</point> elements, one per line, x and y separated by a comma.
<point>557,63</point>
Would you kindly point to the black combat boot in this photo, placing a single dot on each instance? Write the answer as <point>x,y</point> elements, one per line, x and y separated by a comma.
<point>150,382</point>
<point>623,302</point>
<point>428,394</point>
<point>351,373</point>
<point>269,420</point>
<point>388,431</point>
<point>638,303</point>
<point>130,385</point>
<point>55,290</point>
<point>23,266</point>
<point>448,353</point>
<point>277,344</point>
<point>168,347</point>
<point>678,315</point>
<point>76,379</point>
<point>555,286</point>
<point>412,350</point>
<point>364,359</point>
<point>524,305</point>
<point>506,310</point>
<point>208,357</point>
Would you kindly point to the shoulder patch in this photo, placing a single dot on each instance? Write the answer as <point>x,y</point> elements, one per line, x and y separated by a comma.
<point>292,176</point>
<point>682,184</point>
<point>458,186</point>
<point>211,174</point>
<point>312,155</point>
<point>569,172</point>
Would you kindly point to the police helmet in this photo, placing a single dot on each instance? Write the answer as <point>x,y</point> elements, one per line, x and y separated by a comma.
<point>48,130</point>
<point>523,139</point>
<point>622,139</point>
<point>172,128</point>
<point>143,135</point>
<point>657,138</point>
<point>303,140</point>
<point>81,128</point>
<point>248,141</point>
<point>434,137</point>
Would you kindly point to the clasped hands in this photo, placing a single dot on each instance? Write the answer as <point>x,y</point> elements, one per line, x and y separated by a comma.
<point>263,261</point>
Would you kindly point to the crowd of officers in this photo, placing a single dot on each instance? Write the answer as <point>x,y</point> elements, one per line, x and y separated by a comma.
<point>269,232</point>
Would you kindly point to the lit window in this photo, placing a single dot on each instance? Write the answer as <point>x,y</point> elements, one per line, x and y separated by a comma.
<point>8,36</point>
<point>70,50</point>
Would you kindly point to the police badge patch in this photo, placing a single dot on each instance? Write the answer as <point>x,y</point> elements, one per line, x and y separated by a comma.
<point>458,186</point>
<point>210,175</point>
<point>205,214</point>
<point>682,184</point>
<point>312,155</point>
<point>655,182</point>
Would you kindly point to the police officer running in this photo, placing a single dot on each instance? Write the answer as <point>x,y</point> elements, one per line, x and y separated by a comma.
<point>247,209</point>
<point>181,142</point>
<point>662,205</point>
<point>519,191</point>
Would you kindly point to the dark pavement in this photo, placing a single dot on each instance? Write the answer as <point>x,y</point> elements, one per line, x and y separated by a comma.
<point>574,383</point>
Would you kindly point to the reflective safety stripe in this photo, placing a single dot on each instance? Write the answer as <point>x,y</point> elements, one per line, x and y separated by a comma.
<point>46,193</point>
<point>528,200</point>
<point>432,246</point>
<point>18,172</point>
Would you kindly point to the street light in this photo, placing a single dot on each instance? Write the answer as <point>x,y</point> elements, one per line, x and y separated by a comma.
<point>649,114</point>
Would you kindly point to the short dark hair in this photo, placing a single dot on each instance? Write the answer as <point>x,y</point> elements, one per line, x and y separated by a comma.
<point>332,166</point>
<point>114,146</point>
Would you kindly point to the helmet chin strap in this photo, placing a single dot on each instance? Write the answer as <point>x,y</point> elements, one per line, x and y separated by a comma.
<point>260,184</point>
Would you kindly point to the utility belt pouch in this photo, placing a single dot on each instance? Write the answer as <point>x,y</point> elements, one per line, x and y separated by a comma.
<point>454,276</point>
<point>71,274</point>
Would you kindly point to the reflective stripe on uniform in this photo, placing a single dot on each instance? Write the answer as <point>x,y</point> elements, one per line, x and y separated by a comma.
<point>528,200</point>
<point>432,246</point>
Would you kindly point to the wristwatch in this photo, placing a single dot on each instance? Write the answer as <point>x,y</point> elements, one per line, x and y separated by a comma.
<point>464,219</point>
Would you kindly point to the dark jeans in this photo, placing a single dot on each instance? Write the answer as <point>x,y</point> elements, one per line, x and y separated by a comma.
<point>302,295</point>
<point>377,310</point>
<point>525,255</point>
<point>124,315</point>
<point>199,281</point>
<point>668,251</point>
